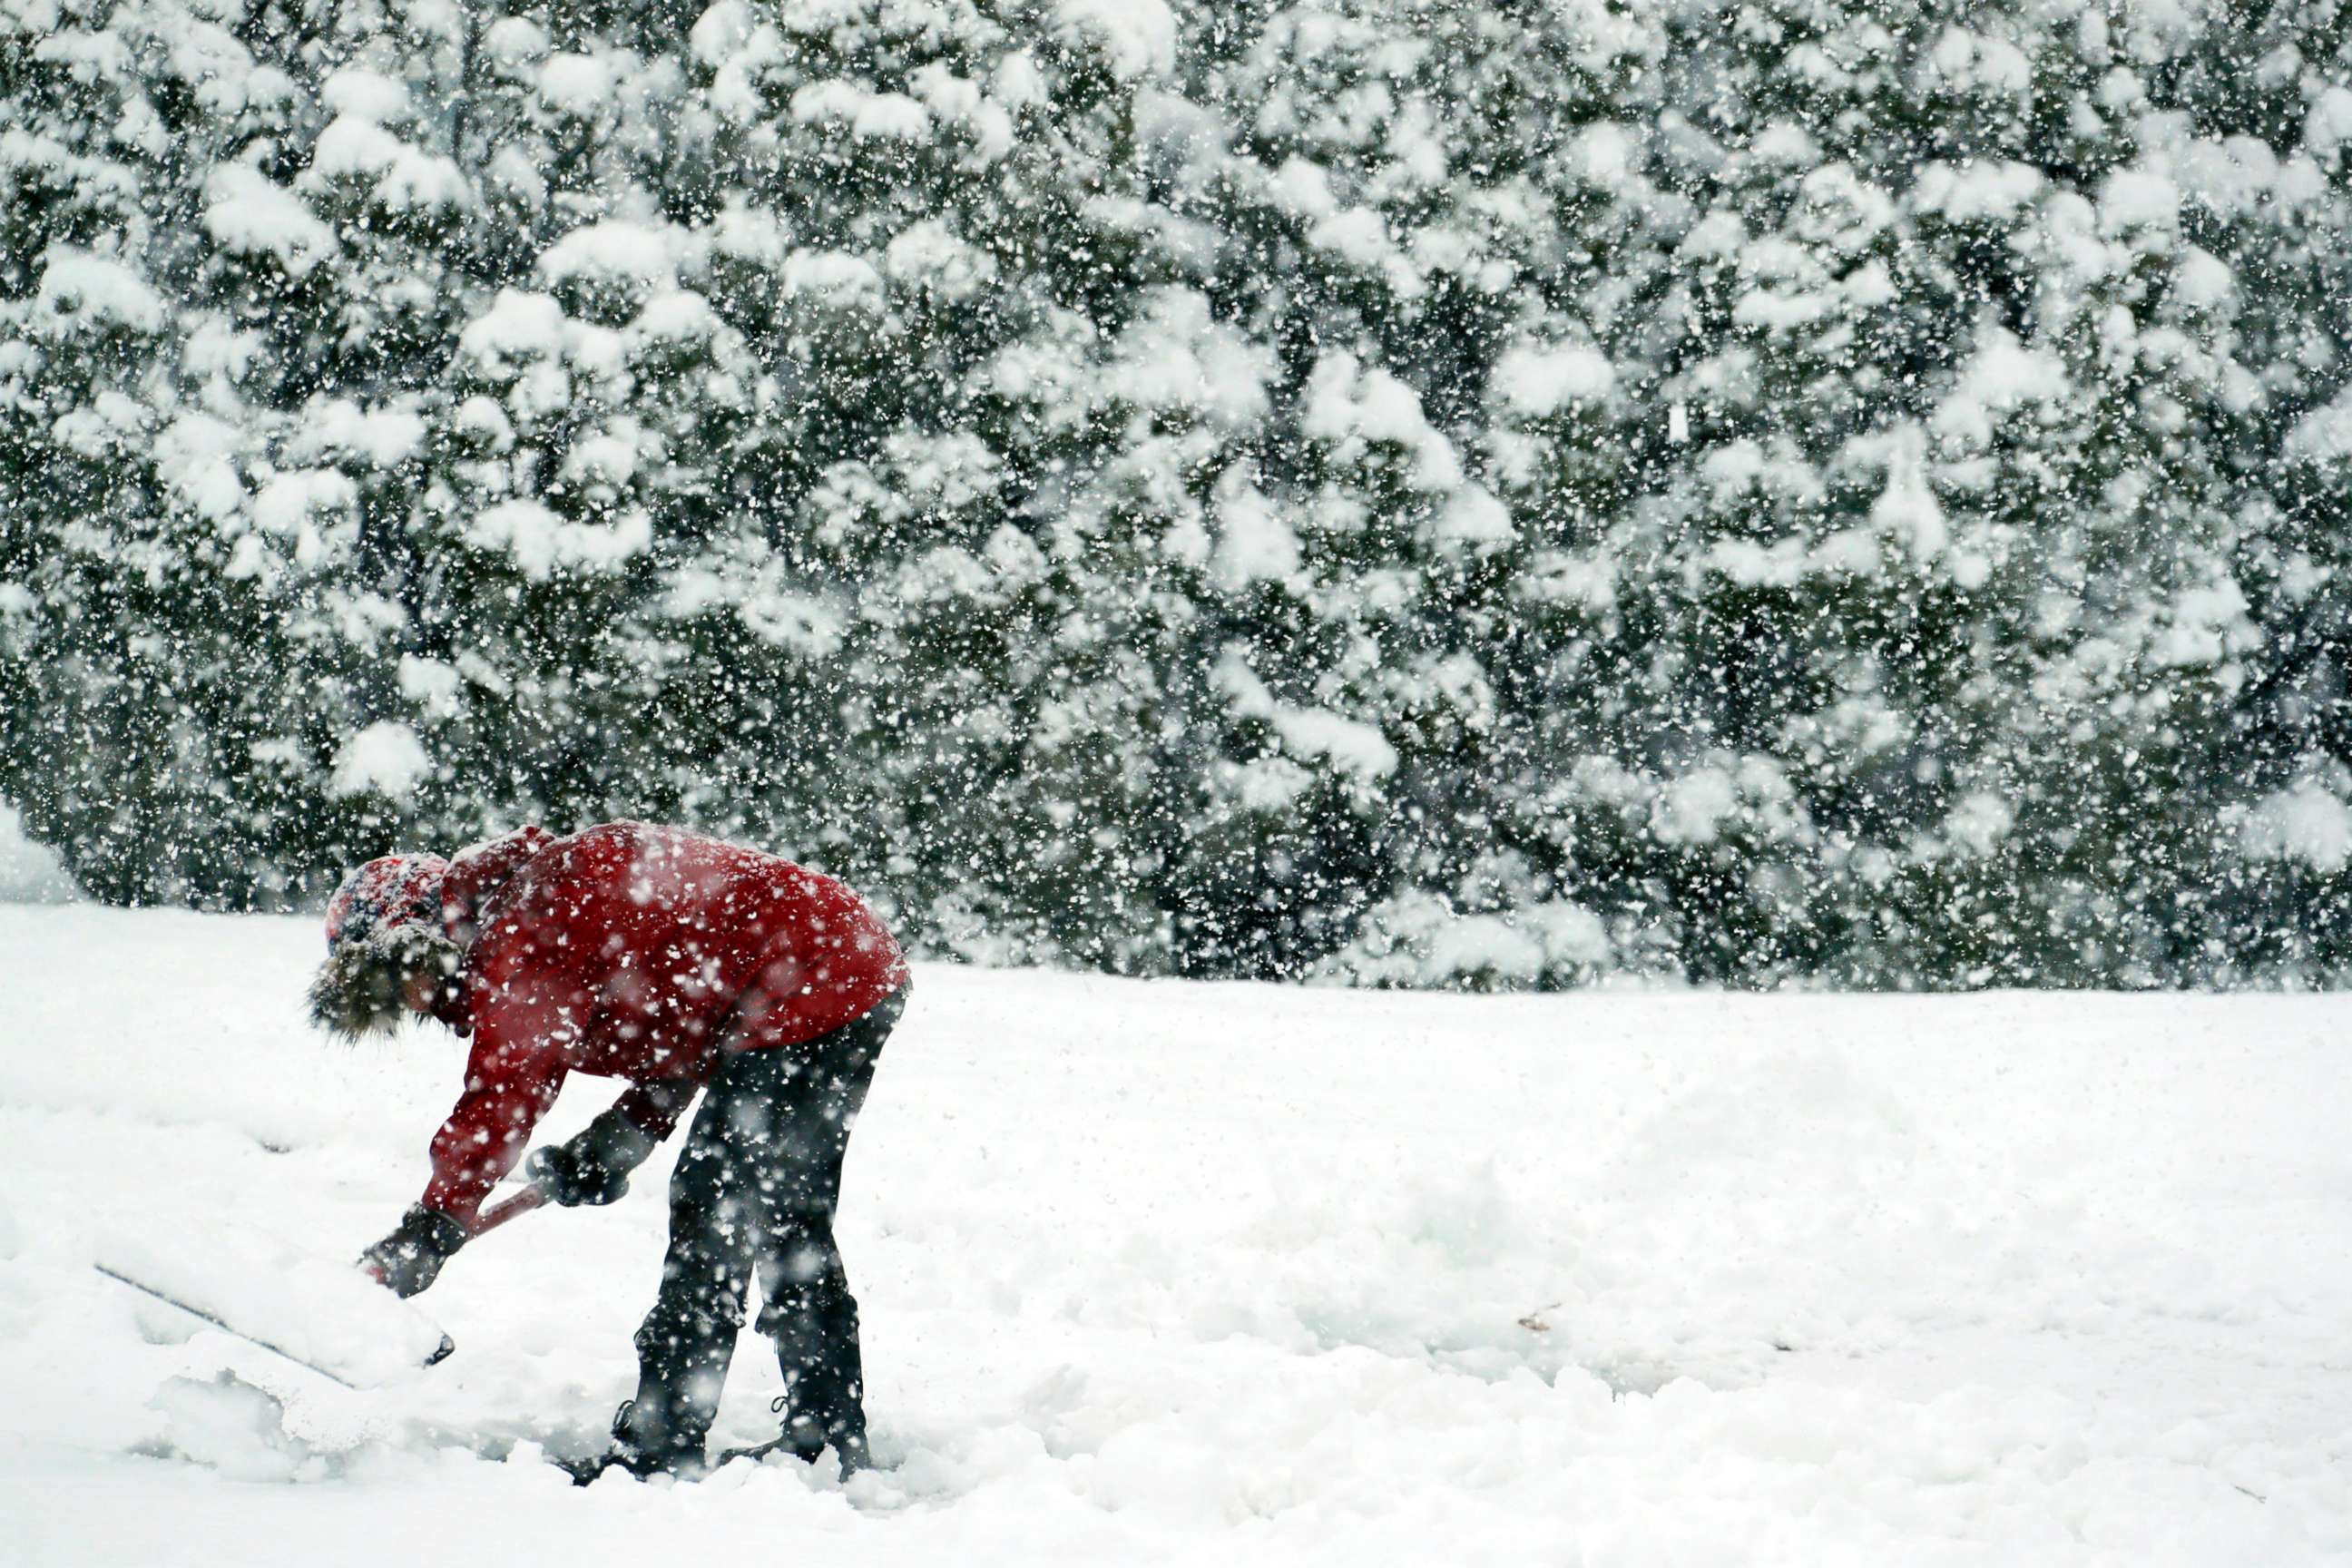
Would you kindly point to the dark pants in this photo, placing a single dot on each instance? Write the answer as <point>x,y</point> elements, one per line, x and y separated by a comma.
<point>755,1190</point>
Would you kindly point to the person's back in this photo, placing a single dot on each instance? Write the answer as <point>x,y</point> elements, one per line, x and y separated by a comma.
<point>668,946</point>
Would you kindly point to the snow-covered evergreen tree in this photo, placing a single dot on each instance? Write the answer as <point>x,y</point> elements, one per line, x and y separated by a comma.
<point>1407,493</point>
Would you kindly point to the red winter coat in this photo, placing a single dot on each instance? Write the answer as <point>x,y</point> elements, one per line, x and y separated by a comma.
<point>634,953</point>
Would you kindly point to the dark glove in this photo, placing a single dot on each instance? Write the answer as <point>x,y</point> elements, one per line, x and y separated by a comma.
<point>408,1260</point>
<point>592,1166</point>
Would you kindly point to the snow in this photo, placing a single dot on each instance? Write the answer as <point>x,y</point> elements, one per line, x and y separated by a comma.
<point>1255,540</point>
<point>2329,124</point>
<point>250,214</point>
<point>1474,517</point>
<point>804,623</point>
<point>110,427</point>
<point>379,438</point>
<point>1587,582</point>
<point>929,256</point>
<point>677,318</point>
<point>617,252</point>
<point>834,279</point>
<point>515,42</point>
<point>576,84</point>
<point>1353,407</point>
<point>870,116</point>
<point>1136,37</point>
<point>81,290</point>
<point>2203,282</point>
<point>959,101</point>
<point>1978,821</point>
<point>2309,823</point>
<point>1160,1272</point>
<point>2208,624</point>
<point>1539,381</point>
<point>1351,747</point>
<point>603,461</point>
<point>387,759</point>
<point>1993,188</point>
<point>314,1309</point>
<point>365,95</point>
<point>2138,198</point>
<point>2323,435</point>
<point>836,98</point>
<point>1421,940</point>
<point>228,1425</point>
<point>431,685</point>
<point>298,501</point>
<point>518,328</point>
<point>1693,805</point>
<point>1175,355</point>
<point>194,456</point>
<point>403,180</point>
<point>742,232</point>
<point>30,872</point>
<point>542,542</point>
<point>721,32</point>
<point>1907,507</point>
<point>891,116</point>
<point>1993,65</point>
<point>1359,235</point>
<point>2003,377</point>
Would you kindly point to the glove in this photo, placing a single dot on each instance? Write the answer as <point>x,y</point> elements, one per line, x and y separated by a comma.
<point>594,1166</point>
<point>408,1260</point>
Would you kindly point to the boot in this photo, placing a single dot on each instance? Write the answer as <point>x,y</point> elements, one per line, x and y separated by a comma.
<point>802,1439</point>
<point>811,1319</point>
<point>643,1447</point>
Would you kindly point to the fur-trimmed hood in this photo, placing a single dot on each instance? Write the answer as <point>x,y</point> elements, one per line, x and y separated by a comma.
<point>401,917</point>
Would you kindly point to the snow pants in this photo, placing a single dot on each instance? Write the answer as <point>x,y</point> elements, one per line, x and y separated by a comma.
<point>754,1192</point>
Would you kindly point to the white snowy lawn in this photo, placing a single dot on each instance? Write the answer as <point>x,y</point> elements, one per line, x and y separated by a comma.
<point>1232,1274</point>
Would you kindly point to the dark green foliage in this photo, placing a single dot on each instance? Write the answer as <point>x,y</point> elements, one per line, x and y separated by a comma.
<point>1404,493</point>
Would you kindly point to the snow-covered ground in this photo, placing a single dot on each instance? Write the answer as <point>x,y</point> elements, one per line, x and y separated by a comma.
<point>30,872</point>
<point>1185,1273</point>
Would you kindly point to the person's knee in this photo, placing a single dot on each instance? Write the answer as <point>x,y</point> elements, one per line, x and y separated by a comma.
<point>785,1319</point>
<point>707,1222</point>
<point>802,1271</point>
<point>686,1319</point>
<point>804,1321</point>
<point>800,1244</point>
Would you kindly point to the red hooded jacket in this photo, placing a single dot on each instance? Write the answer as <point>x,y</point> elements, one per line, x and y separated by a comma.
<point>635,952</point>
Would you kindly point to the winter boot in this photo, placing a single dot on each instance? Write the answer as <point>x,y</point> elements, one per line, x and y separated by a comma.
<point>811,1319</point>
<point>643,1447</point>
<point>805,1441</point>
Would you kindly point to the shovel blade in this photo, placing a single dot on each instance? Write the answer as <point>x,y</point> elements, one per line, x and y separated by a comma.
<point>323,1315</point>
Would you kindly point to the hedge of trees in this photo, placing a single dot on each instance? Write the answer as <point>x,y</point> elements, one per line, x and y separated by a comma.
<point>1406,493</point>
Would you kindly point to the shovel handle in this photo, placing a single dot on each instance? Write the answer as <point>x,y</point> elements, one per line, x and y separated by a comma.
<point>498,1213</point>
<point>487,1220</point>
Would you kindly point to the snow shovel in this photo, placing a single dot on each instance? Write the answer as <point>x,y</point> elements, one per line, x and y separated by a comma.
<point>369,1336</point>
<point>323,1315</point>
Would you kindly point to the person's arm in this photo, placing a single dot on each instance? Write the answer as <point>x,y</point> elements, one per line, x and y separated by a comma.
<point>511,1079</point>
<point>594,1166</point>
<point>512,1075</point>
